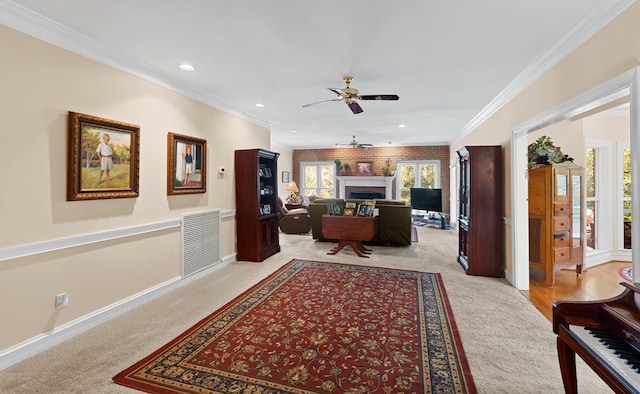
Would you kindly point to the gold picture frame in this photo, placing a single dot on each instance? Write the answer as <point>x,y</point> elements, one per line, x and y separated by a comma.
<point>186,164</point>
<point>103,158</point>
<point>366,208</point>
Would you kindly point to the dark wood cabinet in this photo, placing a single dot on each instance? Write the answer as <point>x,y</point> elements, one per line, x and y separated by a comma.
<point>256,172</point>
<point>480,211</point>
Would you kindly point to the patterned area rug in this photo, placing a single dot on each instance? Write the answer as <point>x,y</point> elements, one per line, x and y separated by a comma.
<point>625,272</point>
<point>315,327</point>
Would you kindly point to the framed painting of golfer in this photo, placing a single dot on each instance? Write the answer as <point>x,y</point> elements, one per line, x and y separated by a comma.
<point>187,164</point>
<point>103,158</point>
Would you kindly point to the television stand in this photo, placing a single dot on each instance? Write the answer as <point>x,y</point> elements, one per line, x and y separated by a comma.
<point>430,218</point>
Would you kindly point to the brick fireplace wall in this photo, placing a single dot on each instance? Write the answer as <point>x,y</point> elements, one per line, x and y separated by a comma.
<point>378,157</point>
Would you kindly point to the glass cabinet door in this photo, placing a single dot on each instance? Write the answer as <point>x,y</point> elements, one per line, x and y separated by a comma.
<point>561,185</point>
<point>577,228</point>
<point>463,195</point>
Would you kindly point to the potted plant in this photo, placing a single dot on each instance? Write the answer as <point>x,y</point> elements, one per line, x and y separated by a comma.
<point>347,169</point>
<point>386,170</point>
<point>543,152</point>
<point>338,166</point>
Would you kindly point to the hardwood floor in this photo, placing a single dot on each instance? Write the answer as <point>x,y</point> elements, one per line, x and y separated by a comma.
<point>596,283</point>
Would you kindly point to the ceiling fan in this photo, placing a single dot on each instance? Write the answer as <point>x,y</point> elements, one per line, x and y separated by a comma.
<point>355,144</point>
<point>349,95</point>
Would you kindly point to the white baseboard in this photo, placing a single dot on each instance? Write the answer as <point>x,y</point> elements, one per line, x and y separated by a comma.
<point>508,275</point>
<point>39,343</point>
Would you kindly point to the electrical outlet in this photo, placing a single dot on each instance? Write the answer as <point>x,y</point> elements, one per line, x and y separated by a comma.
<point>62,300</point>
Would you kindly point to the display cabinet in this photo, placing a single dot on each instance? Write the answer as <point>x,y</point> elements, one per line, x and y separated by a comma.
<point>256,175</point>
<point>556,220</point>
<point>480,209</point>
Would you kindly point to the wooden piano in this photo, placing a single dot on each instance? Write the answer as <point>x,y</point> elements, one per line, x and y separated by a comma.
<point>605,334</point>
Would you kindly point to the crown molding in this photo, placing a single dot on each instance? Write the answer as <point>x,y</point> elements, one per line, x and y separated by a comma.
<point>579,32</point>
<point>45,29</point>
<point>26,21</point>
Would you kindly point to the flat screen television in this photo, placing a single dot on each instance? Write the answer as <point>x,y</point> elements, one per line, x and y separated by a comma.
<point>426,199</point>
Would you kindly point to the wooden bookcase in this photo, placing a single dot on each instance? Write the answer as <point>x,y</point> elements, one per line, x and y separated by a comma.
<point>256,174</point>
<point>556,225</point>
<point>480,210</point>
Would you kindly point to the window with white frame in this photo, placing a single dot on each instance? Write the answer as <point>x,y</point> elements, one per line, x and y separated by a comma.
<point>600,202</point>
<point>626,196</point>
<point>318,179</point>
<point>591,196</point>
<point>421,173</point>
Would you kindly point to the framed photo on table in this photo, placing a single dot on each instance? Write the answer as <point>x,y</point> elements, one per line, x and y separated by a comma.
<point>186,164</point>
<point>366,208</point>
<point>336,208</point>
<point>364,168</point>
<point>103,159</point>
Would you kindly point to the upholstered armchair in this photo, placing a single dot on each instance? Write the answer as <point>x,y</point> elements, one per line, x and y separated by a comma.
<point>295,221</point>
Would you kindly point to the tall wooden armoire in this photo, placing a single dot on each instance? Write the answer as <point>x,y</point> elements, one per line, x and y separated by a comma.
<point>556,220</point>
<point>480,228</point>
<point>256,172</point>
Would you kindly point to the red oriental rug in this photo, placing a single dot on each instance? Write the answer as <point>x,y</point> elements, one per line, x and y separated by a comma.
<point>315,327</point>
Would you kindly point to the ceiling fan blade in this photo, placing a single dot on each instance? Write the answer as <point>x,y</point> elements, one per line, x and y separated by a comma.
<point>339,92</point>
<point>379,97</point>
<point>322,102</point>
<point>355,144</point>
<point>355,107</point>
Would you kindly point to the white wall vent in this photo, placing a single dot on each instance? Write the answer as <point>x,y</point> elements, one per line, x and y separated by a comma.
<point>201,240</point>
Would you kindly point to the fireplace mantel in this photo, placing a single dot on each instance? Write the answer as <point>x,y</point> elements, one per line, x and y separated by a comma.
<point>366,181</point>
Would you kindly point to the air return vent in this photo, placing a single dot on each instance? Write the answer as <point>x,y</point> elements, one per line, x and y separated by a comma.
<point>201,240</point>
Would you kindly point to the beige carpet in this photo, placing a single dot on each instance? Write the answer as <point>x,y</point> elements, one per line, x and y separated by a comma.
<point>509,344</point>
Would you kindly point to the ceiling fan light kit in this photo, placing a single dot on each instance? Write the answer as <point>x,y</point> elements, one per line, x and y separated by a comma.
<point>349,95</point>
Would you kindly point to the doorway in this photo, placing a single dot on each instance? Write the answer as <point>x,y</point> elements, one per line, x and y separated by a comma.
<point>626,84</point>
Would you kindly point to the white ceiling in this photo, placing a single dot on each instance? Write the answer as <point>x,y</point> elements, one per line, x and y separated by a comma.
<point>451,62</point>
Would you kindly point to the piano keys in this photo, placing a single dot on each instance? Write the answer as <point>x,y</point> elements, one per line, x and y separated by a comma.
<point>611,350</point>
<point>605,334</point>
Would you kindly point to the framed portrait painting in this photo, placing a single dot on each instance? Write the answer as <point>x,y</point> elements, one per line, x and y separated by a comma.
<point>186,164</point>
<point>103,159</point>
<point>364,168</point>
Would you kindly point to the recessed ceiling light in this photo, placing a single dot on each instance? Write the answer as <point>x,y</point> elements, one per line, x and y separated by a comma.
<point>186,67</point>
<point>259,105</point>
<point>293,131</point>
<point>402,125</point>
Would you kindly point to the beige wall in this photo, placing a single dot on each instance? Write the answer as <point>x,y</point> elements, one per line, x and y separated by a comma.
<point>568,135</point>
<point>284,164</point>
<point>614,128</point>
<point>610,52</point>
<point>39,84</point>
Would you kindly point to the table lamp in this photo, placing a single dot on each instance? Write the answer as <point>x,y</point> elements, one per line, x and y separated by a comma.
<point>293,189</point>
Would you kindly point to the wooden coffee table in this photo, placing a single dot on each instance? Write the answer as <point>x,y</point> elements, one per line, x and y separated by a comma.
<point>349,230</point>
